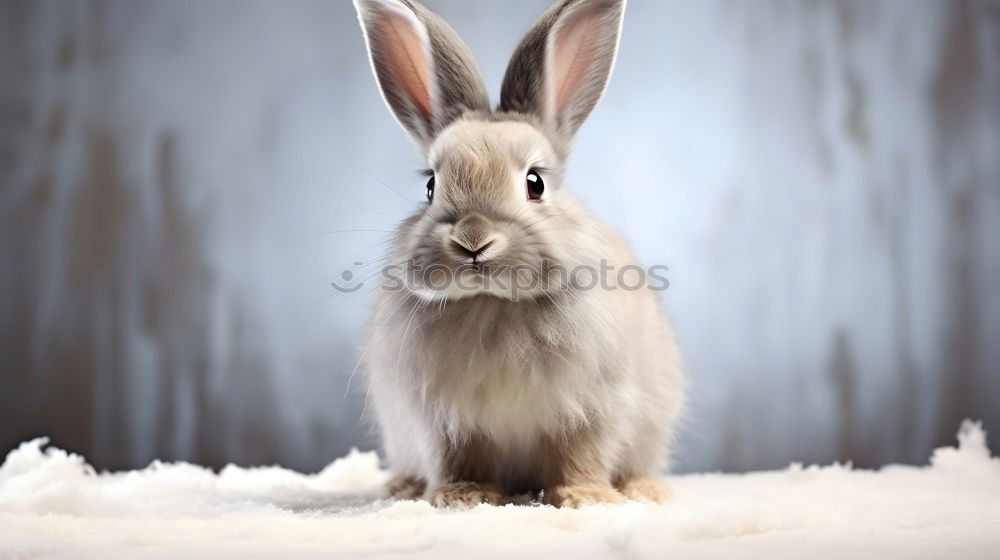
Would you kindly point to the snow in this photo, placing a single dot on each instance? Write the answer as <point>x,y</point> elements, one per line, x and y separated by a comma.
<point>53,504</point>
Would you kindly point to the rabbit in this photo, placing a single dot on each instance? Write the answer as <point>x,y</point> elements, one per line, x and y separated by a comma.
<point>493,371</point>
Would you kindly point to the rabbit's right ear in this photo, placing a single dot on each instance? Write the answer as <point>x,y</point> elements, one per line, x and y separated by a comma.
<point>561,67</point>
<point>427,76</point>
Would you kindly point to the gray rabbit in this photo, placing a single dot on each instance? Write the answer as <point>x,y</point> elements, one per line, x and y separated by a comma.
<point>480,390</point>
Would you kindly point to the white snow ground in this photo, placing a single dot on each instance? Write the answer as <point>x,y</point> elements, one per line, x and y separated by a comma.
<point>52,504</point>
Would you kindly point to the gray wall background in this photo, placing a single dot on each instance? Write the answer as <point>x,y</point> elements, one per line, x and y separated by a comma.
<point>822,178</point>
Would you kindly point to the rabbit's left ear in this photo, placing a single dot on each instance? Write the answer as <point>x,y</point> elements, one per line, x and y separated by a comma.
<point>426,73</point>
<point>560,69</point>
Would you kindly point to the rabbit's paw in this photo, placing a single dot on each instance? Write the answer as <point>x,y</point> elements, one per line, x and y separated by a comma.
<point>463,495</point>
<point>645,489</point>
<point>405,487</point>
<point>574,496</point>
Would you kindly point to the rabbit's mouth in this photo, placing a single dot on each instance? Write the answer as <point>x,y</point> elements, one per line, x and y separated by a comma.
<point>472,279</point>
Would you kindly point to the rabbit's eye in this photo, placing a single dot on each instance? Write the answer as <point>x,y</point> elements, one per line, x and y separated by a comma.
<point>430,189</point>
<point>536,187</point>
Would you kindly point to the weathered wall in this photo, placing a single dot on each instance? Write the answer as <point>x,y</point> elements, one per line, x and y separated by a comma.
<point>180,181</point>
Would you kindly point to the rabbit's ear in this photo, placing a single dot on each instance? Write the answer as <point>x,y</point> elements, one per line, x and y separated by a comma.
<point>425,71</point>
<point>561,67</point>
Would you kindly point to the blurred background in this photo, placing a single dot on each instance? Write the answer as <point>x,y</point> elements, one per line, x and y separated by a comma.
<point>181,181</point>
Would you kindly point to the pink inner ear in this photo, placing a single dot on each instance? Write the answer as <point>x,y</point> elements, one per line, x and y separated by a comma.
<point>406,58</point>
<point>574,47</point>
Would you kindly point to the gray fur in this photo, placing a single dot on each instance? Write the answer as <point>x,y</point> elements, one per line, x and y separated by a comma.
<point>523,87</point>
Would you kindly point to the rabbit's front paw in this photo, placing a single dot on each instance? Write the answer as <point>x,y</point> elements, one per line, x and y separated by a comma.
<point>405,487</point>
<point>463,495</point>
<point>645,489</point>
<point>574,496</point>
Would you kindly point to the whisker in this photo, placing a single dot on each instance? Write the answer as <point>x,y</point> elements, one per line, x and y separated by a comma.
<point>357,231</point>
<point>400,195</point>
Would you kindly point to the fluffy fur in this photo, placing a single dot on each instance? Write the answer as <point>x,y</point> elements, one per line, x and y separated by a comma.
<point>481,392</point>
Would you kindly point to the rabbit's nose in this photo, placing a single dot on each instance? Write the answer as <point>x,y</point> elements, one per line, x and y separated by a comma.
<point>470,255</point>
<point>471,237</point>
